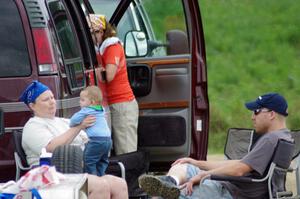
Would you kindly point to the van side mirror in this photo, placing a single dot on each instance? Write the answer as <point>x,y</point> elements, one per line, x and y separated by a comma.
<point>1,122</point>
<point>177,42</point>
<point>136,44</point>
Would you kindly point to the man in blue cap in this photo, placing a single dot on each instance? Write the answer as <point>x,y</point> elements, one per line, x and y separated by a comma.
<point>182,180</point>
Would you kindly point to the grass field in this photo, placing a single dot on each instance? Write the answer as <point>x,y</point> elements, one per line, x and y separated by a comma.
<point>252,47</point>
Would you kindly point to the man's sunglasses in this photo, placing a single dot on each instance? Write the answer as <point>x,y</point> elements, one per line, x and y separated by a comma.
<point>257,111</point>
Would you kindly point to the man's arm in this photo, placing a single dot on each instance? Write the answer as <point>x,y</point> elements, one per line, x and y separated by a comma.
<point>226,167</point>
<point>229,168</point>
<point>204,165</point>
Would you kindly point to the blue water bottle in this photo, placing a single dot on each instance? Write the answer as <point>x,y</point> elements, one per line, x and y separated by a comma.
<point>45,158</point>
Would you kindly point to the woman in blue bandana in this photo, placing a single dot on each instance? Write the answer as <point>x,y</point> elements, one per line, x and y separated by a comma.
<point>44,130</point>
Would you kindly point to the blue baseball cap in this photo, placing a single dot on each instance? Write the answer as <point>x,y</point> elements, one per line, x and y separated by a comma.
<point>272,101</point>
<point>32,92</point>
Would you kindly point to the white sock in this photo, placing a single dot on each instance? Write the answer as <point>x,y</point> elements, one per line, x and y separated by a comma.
<point>176,179</point>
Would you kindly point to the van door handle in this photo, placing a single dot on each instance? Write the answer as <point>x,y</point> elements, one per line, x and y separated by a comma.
<point>170,71</point>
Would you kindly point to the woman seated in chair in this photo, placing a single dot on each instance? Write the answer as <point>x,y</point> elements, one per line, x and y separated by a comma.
<point>44,130</point>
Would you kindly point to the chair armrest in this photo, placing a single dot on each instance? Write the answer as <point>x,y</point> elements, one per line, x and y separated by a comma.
<point>290,169</point>
<point>231,178</point>
<point>120,164</point>
<point>284,194</point>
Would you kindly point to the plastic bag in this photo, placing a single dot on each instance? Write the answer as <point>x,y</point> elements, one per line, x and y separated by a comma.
<point>37,178</point>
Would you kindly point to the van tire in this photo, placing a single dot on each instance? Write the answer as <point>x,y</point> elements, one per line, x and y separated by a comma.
<point>68,159</point>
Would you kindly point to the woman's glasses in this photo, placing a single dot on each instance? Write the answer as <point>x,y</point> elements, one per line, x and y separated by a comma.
<point>257,111</point>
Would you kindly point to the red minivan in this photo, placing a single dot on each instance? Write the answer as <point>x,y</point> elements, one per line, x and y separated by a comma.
<point>49,40</point>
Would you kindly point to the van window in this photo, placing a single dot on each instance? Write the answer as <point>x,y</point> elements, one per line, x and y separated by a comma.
<point>155,23</point>
<point>164,24</point>
<point>72,58</point>
<point>14,57</point>
<point>107,8</point>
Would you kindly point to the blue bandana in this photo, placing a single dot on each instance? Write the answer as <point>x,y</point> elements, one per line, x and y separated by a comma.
<point>32,92</point>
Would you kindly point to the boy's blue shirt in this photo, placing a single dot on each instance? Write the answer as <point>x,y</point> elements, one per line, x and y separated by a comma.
<point>100,127</point>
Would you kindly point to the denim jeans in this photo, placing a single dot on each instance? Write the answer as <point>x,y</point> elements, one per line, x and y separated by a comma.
<point>209,189</point>
<point>96,155</point>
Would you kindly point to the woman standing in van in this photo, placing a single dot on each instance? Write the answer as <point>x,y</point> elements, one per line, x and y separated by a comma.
<point>122,104</point>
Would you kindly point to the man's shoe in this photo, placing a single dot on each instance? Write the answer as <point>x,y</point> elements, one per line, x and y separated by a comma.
<point>159,186</point>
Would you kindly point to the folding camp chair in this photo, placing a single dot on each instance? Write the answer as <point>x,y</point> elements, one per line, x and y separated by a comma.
<point>241,140</point>
<point>282,157</point>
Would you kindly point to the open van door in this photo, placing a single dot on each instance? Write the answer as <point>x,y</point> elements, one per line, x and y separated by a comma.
<point>167,70</point>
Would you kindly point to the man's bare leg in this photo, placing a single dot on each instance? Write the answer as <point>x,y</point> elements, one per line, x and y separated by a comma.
<point>178,171</point>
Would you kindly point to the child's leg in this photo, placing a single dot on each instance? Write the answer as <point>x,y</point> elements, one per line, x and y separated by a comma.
<point>103,160</point>
<point>91,157</point>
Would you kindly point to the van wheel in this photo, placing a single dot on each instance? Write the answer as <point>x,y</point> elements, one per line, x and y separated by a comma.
<point>68,159</point>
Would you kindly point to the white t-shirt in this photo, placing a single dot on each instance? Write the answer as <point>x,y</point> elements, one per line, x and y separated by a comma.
<point>38,132</point>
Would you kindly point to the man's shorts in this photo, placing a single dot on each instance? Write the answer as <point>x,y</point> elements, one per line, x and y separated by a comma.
<point>209,189</point>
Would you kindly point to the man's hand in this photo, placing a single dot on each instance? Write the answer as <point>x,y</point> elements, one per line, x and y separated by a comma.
<point>193,181</point>
<point>188,186</point>
<point>87,122</point>
<point>185,160</point>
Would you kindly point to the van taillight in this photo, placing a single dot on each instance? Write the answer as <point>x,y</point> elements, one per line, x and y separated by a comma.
<point>44,51</point>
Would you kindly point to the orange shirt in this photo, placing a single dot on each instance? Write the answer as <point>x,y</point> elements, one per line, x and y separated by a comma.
<point>118,90</point>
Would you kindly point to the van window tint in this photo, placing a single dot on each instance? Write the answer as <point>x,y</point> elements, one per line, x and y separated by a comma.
<point>167,23</point>
<point>72,57</point>
<point>14,58</point>
<point>107,7</point>
<point>157,24</point>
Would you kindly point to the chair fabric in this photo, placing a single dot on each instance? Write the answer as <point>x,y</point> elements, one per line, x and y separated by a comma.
<point>19,154</point>
<point>17,136</point>
<point>295,166</point>
<point>239,142</point>
<point>296,137</point>
<point>281,159</point>
<point>136,163</point>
